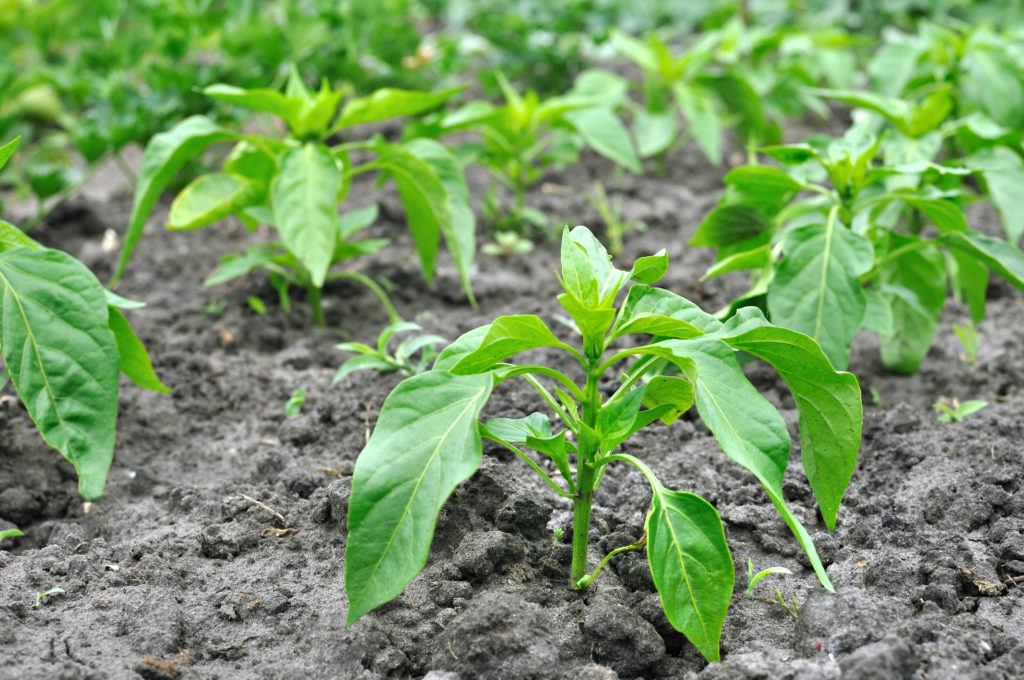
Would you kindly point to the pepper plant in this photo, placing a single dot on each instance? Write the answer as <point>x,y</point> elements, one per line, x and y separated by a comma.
<point>64,340</point>
<point>521,140</point>
<point>295,184</point>
<point>837,242</point>
<point>428,439</point>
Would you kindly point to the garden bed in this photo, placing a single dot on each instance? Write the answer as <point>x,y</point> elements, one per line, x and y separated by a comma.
<point>217,551</point>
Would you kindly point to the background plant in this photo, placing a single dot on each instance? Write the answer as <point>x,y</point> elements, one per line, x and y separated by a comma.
<point>295,184</point>
<point>429,422</point>
<point>835,246</point>
<point>521,140</point>
<point>64,341</point>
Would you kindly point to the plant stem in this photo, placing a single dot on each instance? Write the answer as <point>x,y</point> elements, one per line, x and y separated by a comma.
<point>393,315</point>
<point>317,306</point>
<point>586,473</point>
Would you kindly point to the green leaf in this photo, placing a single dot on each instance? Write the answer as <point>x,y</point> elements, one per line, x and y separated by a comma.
<point>762,185</point>
<point>212,197</point>
<point>354,221</point>
<point>671,391</point>
<point>946,214</point>
<point>817,290</point>
<point>507,335</point>
<point>830,409</point>
<point>755,258</point>
<point>747,427</point>
<point>534,431</point>
<point>464,345</point>
<point>790,154</point>
<point>304,197</point>
<point>650,269</point>
<point>7,150</point>
<point>992,79</point>
<point>164,155</point>
<point>426,443</point>
<point>11,237</point>
<point>690,565</point>
<point>878,313</point>
<point>728,224</point>
<point>587,271</point>
<point>1003,171</point>
<point>604,133</point>
<point>252,162</point>
<point>62,357</point>
<point>655,131</point>
<point>915,283</point>
<point>1001,257</point>
<point>657,311</point>
<point>971,282</point>
<point>390,103</point>
<point>259,99</point>
<point>459,230</point>
<point>699,111</point>
<point>616,418</point>
<point>134,359</point>
<point>425,199</point>
<point>236,265</point>
<point>115,300</point>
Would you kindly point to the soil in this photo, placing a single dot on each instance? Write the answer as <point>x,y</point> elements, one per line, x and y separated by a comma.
<point>218,550</point>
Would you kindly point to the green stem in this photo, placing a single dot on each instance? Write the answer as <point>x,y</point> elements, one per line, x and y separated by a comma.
<point>586,474</point>
<point>587,580</point>
<point>317,306</point>
<point>553,403</point>
<point>537,468</point>
<point>393,315</point>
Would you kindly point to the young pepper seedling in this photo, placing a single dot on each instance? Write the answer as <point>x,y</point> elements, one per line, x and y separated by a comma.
<point>428,439</point>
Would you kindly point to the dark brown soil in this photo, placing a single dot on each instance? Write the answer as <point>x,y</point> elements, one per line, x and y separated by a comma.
<point>178,572</point>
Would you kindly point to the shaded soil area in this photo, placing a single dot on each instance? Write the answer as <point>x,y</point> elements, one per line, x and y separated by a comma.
<point>218,551</point>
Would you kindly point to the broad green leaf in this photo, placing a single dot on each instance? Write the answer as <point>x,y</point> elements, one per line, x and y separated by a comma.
<point>390,103</point>
<point>587,271</point>
<point>662,313</point>
<point>304,196</point>
<point>790,154</point>
<point>878,313</point>
<point>756,258</point>
<point>971,281</point>
<point>691,566</point>
<point>671,391</point>
<point>318,114</point>
<point>426,442</point>
<point>1003,171</point>
<point>650,269</point>
<point>604,133</point>
<point>615,419</point>
<point>817,290</point>
<point>655,132</point>
<point>830,409</point>
<point>252,162</point>
<point>699,111</point>
<point>428,206</point>
<point>508,335</point>
<point>464,345</point>
<point>460,230</point>
<point>992,80</point>
<point>746,426</point>
<point>212,197</point>
<point>259,99</point>
<point>762,186</point>
<point>894,110</point>
<point>354,221</point>
<point>164,155</point>
<point>728,224</point>
<point>915,283</point>
<point>1001,257</point>
<point>634,50</point>
<point>592,322</point>
<point>134,359</point>
<point>11,237</point>
<point>62,357</point>
<point>7,150</point>
<point>946,214</point>
<point>362,362</point>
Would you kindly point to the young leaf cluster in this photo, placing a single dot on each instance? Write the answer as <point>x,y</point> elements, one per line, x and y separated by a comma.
<point>428,437</point>
<point>295,184</point>
<point>64,342</point>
